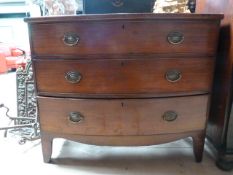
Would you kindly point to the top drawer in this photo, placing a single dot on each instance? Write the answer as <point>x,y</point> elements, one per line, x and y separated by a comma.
<point>124,36</point>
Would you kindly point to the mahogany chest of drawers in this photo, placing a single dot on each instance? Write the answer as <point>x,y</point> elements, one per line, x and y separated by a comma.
<point>124,79</point>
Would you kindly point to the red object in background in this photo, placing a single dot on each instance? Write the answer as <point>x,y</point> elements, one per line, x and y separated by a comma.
<point>3,66</point>
<point>11,58</point>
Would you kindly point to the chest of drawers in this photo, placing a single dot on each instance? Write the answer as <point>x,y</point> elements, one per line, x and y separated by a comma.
<point>124,79</point>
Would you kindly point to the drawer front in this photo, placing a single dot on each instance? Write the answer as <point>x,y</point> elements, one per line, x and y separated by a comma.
<point>123,117</point>
<point>109,78</point>
<point>124,37</point>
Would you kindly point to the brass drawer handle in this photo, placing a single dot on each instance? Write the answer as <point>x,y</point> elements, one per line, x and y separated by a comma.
<point>71,39</point>
<point>117,3</point>
<point>175,37</point>
<point>76,117</point>
<point>170,116</point>
<point>173,75</point>
<point>73,76</point>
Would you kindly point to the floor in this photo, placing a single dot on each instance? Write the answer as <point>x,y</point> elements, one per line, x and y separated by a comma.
<point>70,158</point>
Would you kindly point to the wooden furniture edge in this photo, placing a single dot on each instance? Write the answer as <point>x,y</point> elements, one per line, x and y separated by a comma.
<point>126,16</point>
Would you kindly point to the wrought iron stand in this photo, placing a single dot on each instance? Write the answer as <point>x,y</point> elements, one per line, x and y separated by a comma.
<point>26,124</point>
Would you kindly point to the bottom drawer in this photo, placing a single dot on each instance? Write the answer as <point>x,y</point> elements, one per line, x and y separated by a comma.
<point>123,116</point>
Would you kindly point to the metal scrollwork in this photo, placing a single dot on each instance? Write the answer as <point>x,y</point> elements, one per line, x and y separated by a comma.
<point>26,124</point>
<point>26,98</point>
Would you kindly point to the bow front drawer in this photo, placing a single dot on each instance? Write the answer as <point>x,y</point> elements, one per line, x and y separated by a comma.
<point>109,78</point>
<point>123,117</point>
<point>130,37</point>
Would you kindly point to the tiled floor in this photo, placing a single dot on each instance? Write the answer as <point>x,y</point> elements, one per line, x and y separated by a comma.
<point>74,158</point>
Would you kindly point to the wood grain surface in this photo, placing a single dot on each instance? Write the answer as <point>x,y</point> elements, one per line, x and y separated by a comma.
<point>123,117</point>
<point>124,37</point>
<point>124,77</point>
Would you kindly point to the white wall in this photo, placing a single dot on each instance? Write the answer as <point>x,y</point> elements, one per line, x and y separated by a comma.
<point>14,30</point>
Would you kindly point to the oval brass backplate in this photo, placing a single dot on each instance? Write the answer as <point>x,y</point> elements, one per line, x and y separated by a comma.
<point>170,116</point>
<point>76,117</point>
<point>70,39</point>
<point>175,37</point>
<point>173,75</point>
<point>73,77</point>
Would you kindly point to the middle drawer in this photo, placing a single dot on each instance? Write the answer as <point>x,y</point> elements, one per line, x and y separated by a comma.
<point>116,78</point>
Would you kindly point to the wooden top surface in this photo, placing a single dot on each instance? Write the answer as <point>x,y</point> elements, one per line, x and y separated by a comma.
<point>126,16</point>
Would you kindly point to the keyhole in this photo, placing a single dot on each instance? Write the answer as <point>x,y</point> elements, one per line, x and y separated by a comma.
<point>122,104</point>
<point>123,27</point>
